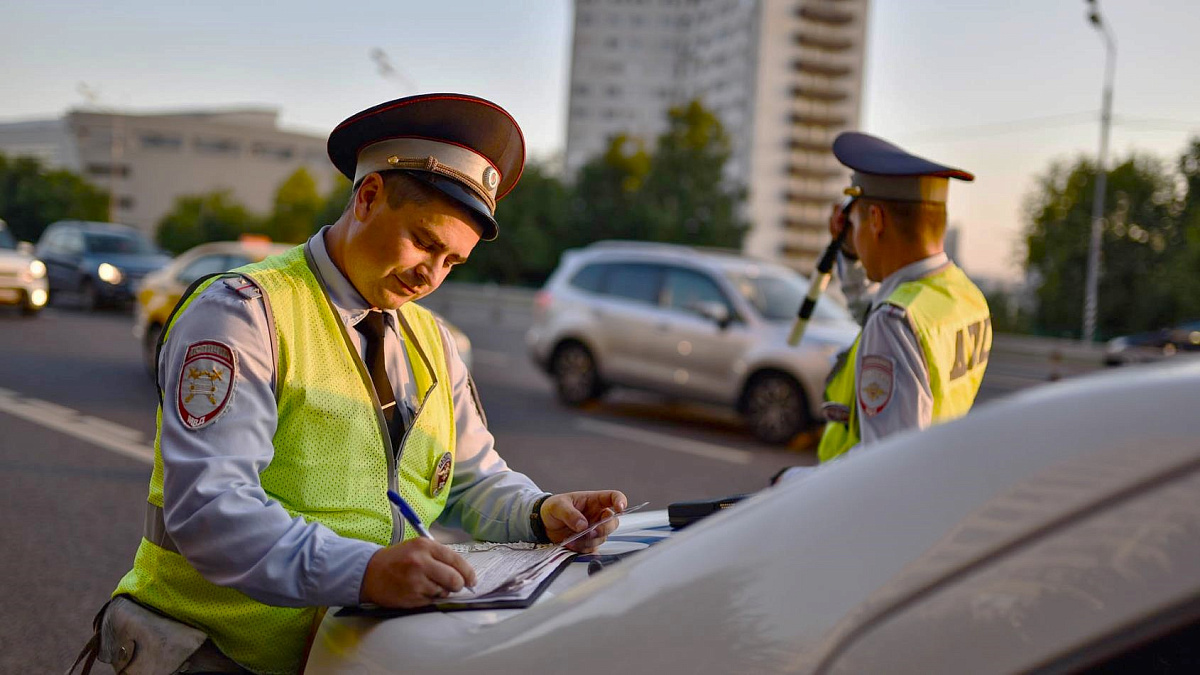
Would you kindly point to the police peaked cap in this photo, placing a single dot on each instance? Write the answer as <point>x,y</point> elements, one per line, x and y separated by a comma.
<point>885,171</point>
<point>469,148</point>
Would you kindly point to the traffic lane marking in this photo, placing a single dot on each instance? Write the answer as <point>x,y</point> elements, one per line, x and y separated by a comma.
<point>666,442</point>
<point>108,435</point>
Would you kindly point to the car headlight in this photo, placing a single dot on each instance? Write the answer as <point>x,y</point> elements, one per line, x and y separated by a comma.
<point>37,269</point>
<point>109,273</point>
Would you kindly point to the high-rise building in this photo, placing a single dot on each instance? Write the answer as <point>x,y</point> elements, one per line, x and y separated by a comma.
<point>784,77</point>
<point>146,161</point>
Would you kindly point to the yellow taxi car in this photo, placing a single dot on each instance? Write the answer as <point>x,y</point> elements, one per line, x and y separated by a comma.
<point>160,291</point>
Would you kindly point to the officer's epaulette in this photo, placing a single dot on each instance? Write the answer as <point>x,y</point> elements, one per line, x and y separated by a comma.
<point>243,287</point>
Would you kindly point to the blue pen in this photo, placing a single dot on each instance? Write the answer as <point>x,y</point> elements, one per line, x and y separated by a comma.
<point>411,517</point>
<point>409,514</point>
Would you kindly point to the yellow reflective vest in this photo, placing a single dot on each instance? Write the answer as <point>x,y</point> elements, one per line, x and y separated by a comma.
<point>333,462</point>
<point>954,327</point>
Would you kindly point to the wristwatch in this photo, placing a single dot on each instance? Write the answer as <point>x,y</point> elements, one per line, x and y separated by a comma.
<point>535,521</point>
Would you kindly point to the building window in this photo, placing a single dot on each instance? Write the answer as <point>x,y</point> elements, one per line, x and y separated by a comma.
<point>222,146</point>
<point>125,202</point>
<point>271,151</point>
<point>153,140</point>
<point>99,169</point>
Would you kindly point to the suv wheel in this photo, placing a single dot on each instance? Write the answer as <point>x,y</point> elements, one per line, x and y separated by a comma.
<point>775,408</point>
<point>575,375</point>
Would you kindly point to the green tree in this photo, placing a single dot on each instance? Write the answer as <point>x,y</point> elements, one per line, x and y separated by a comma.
<point>32,197</point>
<point>197,219</point>
<point>605,203</point>
<point>1141,239</point>
<point>686,198</point>
<point>1186,272</point>
<point>677,194</point>
<point>296,208</point>
<point>334,202</point>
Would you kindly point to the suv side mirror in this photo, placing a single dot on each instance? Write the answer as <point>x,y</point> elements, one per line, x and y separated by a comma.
<point>716,312</point>
<point>25,248</point>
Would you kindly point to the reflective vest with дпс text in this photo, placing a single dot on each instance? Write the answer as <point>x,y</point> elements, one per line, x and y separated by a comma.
<point>332,462</point>
<point>951,320</point>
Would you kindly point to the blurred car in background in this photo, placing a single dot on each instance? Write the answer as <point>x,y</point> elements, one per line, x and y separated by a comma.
<point>100,263</point>
<point>1153,345</point>
<point>161,290</point>
<point>1053,531</point>
<point>690,323</point>
<point>22,276</point>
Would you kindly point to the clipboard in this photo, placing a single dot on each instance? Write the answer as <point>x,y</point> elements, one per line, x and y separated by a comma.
<point>528,597</point>
<point>516,592</point>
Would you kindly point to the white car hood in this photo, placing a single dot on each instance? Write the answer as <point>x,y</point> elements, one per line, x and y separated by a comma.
<point>13,261</point>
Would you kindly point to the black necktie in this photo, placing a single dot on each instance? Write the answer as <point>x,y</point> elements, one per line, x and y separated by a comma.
<point>372,329</point>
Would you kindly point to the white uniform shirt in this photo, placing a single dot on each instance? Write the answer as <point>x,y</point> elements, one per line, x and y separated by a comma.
<point>215,508</point>
<point>893,393</point>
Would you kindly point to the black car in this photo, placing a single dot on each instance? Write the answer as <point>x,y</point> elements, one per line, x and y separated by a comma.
<point>1153,345</point>
<point>100,263</point>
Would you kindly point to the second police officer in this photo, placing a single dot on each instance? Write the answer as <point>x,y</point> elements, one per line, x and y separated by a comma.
<point>924,345</point>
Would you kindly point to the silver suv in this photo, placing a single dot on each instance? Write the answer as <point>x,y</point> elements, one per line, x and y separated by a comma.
<point>689,323</point>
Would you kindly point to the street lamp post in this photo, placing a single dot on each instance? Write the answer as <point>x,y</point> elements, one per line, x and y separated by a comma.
<point>1093,262</point>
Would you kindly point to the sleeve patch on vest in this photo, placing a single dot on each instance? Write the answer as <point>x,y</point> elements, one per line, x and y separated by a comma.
<point>875,383</point>
<point>206,383</point>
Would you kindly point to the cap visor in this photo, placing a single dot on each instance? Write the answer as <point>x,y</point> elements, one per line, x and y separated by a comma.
<point>488,228</point>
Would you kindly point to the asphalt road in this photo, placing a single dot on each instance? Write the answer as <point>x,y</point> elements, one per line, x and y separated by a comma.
<point>76,436</point>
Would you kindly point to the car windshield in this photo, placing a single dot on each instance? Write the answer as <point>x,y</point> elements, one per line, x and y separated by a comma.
<point>117,243</point>
<point>7,240</point>
<point>778,297</point>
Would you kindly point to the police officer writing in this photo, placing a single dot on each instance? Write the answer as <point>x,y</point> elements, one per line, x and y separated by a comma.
<point>297,391</point>
<point>923,349</point>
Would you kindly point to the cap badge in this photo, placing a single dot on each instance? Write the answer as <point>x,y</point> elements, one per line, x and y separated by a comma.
<point>441,475</point>
<point>491,178</point>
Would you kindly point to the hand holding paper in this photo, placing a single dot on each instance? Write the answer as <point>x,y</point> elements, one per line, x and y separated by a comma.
<point>571,513</point>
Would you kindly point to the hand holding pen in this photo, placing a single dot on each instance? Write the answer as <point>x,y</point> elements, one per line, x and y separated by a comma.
<point>416,572</point>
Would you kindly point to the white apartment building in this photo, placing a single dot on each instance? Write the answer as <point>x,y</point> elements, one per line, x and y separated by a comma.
<point>784,76</point>
<point>146,161</point>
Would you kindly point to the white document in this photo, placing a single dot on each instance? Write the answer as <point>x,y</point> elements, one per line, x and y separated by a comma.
<point>508,570</point>
<point>515,570</point>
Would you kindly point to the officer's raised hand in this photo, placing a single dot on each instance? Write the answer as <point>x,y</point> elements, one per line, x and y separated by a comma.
<point>836,223</point>
<point>570,512</point>
<point>414,573</point>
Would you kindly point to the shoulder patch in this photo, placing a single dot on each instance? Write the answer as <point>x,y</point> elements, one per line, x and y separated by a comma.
<point>875,383</point>
<point>206,383</point>
<point>244,287</point>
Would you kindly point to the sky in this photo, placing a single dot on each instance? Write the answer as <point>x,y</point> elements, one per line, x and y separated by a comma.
<point>1001,89</point>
